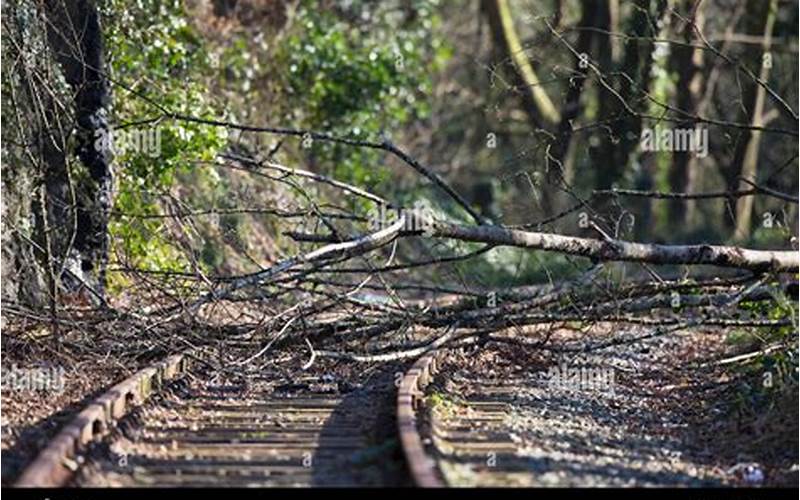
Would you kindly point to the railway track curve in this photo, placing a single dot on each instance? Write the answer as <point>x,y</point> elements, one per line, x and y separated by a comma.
<point>623,416</point>
<point>57,462</point>
<point>451,419</point>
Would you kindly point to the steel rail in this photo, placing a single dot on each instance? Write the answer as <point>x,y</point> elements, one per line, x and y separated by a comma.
<point>56,463</point>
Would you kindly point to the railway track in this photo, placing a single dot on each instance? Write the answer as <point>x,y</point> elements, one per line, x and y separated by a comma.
<point>432,444</point>
<point>180,423</point>
<point>452,420</point>
<point>613,418</point>
<point>56,463</point>
<point>175,424</point>
<point>460,432</point>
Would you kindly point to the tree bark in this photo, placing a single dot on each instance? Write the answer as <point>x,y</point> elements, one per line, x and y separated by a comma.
<point>744,205</point>
<point>571,108</point>
<point>76,41</point>
<point>687,62</point>
<point>537,103</point>
<point>613,154</point>
<point>755,19</point>
<point>619,250</point>
<point>36,194</point>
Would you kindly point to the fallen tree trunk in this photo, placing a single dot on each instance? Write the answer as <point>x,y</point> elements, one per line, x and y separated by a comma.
<point>619,250</point>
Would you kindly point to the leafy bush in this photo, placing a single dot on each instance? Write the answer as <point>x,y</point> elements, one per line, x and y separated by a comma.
<point>343,69</point>
<point>772,374</point>
<point>150,47</point>
<point>359,78</point>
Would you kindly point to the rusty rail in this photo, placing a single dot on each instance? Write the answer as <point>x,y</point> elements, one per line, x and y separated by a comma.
<point>409,399</point>
<point>56,463</point>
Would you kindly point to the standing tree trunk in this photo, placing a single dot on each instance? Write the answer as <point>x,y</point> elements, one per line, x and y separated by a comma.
<point>687,61</point>
<point>613,154</point>
<point>75,38</point>
<point>38,208</point>
<point>756,18</point>
<point>744,205</point>
<point>540,109</point>
<point>571,108</point>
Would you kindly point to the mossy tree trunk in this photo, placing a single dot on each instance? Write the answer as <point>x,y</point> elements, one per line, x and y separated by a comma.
<point>56,184</point>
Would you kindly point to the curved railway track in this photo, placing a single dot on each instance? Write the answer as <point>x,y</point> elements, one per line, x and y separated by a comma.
<point>473,435</point>
<point>460,436</point>
<point>449,422</point>
<point>616,417</point>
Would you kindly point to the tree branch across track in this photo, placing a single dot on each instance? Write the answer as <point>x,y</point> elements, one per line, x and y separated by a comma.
<point>347,249</point>
<point>606,249</point>
<point>620,250</point>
